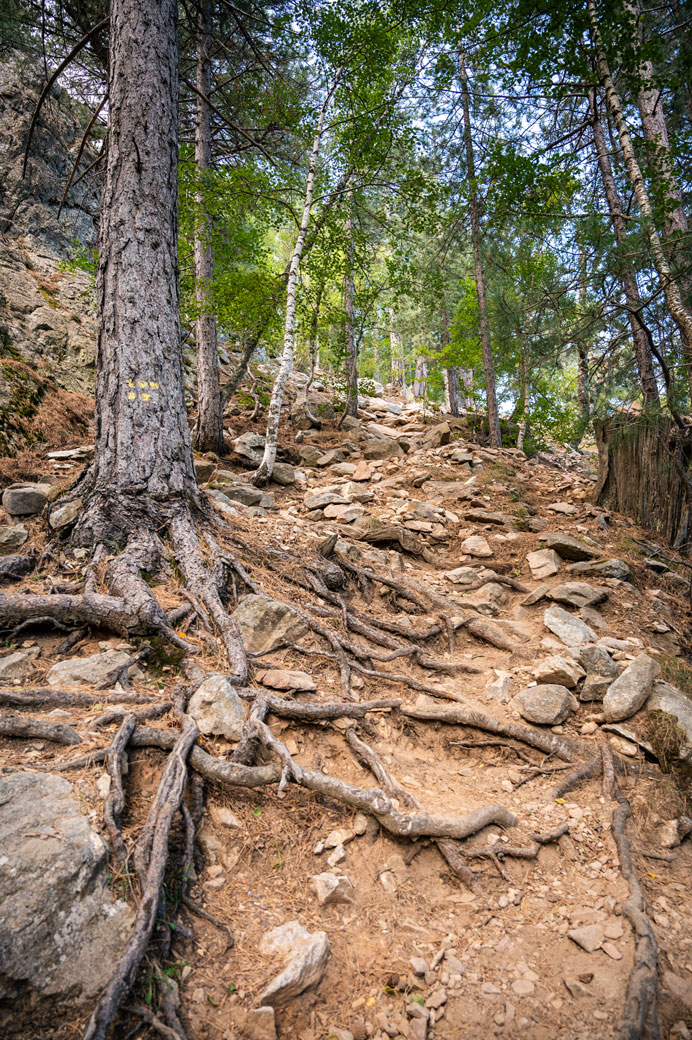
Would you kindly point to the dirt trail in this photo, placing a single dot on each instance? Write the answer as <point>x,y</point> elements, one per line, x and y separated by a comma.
<point>498,957</point>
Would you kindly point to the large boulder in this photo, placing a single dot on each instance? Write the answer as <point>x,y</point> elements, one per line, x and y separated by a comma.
<point>61,931</point>
<point>629,692</point>
<point>265,623</point>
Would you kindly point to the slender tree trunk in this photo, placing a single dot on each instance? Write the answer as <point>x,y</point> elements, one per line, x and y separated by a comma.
<point>525,390</point>
<point>266,466</point>
<point>142,450</point>
<point>583,392</point>
<point>420,381</point>
<point>486,343</point>
<point>208,434</point>
<point>642,351</point>
<point>396,349</point>
<point>679,311</point>
<point>451,376</point>
<point>351,407</point>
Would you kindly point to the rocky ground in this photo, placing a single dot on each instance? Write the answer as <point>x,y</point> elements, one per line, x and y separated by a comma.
<point>510,634</point>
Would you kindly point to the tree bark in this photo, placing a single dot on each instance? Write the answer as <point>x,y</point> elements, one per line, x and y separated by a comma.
<point>209,428</point>
<point>266,466</point>
<point>420,380</point>
<point>525,388</point>
<point>679,311</point>
<point>396,349</point>
<point>642,352</point>
<point>142,452</point>
<point>486,342</point>
<point>351,407</point>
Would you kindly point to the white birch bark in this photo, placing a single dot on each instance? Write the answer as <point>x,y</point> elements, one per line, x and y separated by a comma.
<point>266,466</point>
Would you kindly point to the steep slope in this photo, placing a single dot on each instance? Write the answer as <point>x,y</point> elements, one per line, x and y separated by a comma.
<point>407,547</point>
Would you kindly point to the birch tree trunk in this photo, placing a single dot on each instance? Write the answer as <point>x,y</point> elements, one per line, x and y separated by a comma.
<point>396,349</point>
<point>628,276</point>
<point>486,342</point>
<point>266,467</point>
<point>679,311</point>
<point>208,434</point>
<point>420,381</point>
<point>142,452</point>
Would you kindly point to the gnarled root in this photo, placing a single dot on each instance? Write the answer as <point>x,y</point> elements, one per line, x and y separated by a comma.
<point>166,804</point>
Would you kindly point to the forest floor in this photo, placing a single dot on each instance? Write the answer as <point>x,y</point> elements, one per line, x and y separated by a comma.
<point>493,958</point>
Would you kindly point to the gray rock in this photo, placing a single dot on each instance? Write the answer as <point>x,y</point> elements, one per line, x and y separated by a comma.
<point>332,888</point>
<point>629,691</point>
<point>309,454</point>
<point>217,709</point>
<point>569,548</point>
<point>596,660</point>
<point>331,457</point>
<point>88,671</point>
<point>577,594</point>
<point>265,623</point>
<point>60,929</point>
<point>547,704</point>
<point>204,468</point>
<point>250,446</point>
<point>63,516</point>
<point>477,545</point>
<point>305,956</point>
<point>544,563</point>
<point>595,688</point>
<point>19,664</point>
<point>12,537</point>
<point>283,474</point>
<point>589,936</point>
<point>680,989</point>
<point>246,494</point>
<point>485,516</point>
<point>222,503</point>
<point>25,499</point>
<point>665,697</point>
<point>608,569</point>
<point>322,497</point>
<point>568,628</point>
<point>561,671</point>
<point>439,435</point>
<point>383,448</point>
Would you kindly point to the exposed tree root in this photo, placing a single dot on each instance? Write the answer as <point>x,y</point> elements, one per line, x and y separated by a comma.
<point>642,985</point>
<point>167,801</point>
<point>115,613</point>
<point>115,802</point>
<point>589,769</point>
<point>154,712</point>
<point>565,749</point>
<point>30,729</point>
<point>50,697</point>
<point>449,849</point>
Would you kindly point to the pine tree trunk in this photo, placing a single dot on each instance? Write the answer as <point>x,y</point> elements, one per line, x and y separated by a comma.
<point>642,350</point>
<point>420,381</point>
<point>486,342</point>
<point>142,450</point>
<point>678,309</point>
<point>209,428</point>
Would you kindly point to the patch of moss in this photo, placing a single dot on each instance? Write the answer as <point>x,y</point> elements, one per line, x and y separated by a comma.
<point>163,655</point>
<point>25,391</point>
